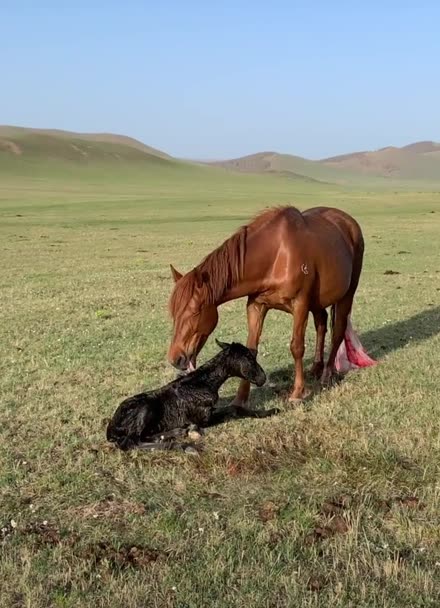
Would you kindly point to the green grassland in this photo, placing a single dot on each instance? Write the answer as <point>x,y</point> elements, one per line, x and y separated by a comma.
<point>333,503</point>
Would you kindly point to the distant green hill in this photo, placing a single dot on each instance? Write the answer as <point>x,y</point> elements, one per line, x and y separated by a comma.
<point>22,140</point>
<point>49,153</point>
<point>104,159</point>
<point>418,161</point>
<point>282,164</point>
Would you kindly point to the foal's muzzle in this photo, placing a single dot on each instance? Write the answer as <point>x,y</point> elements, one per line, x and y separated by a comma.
<point>260,379</point>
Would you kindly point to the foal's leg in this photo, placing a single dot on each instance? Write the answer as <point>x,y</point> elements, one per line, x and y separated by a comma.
<point>301,313</point>
<point>320,319</point>
<point>256,313</point>
<point>342,310</point>
<point>162,441</point>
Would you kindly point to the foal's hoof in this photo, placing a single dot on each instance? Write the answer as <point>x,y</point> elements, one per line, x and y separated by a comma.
<point>273,411</point>
<point>195,435</point>
<point>267,413</point>
<point>191,450</point>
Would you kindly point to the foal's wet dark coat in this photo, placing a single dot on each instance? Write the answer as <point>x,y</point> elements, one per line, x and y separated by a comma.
<point>188,400</point>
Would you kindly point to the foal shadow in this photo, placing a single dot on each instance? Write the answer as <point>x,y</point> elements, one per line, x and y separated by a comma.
<point>377,342</point>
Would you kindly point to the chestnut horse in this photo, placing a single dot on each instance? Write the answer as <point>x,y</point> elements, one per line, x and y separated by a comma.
<point>297,262</point>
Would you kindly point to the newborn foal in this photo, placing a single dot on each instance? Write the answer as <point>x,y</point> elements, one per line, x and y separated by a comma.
<point>147,418</point>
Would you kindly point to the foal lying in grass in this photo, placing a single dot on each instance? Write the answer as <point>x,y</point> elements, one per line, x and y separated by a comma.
<point>146,419</point>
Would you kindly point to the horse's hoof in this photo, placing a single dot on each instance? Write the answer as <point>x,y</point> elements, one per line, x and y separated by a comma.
<point>316,370</point>
<point>297,399</point>
<point>330,379</point>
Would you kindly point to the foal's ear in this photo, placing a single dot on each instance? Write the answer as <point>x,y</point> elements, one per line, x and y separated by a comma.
<point>222,345</point>
<point>175,274</point>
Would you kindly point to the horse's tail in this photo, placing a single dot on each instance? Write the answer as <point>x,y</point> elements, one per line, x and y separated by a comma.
<point>351,354</point>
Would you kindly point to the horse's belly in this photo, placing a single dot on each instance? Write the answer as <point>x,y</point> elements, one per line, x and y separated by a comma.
<point>277,299</point>
<point>334,281</point>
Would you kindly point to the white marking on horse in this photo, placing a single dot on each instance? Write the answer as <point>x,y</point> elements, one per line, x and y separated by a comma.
<point>304,269</point>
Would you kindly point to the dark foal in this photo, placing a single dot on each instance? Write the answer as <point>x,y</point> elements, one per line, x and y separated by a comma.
<point>146,419</point>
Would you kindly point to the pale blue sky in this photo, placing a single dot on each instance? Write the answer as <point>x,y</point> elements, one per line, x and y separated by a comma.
<point>221,79</point>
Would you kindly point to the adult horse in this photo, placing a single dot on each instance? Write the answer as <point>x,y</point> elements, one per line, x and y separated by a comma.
<point>297,262</point>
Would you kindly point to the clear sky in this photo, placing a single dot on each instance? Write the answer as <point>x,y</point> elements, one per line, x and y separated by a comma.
<point>223,78</point>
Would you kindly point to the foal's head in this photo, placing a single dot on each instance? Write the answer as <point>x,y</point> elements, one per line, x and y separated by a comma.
<point>242,362</point>
<point>194,315</point>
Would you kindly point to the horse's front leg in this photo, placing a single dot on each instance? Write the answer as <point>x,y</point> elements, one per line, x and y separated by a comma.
<point>301,313</point>
<point>256,313</point>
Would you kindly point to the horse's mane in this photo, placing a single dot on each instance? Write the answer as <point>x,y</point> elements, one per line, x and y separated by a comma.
<point>220,269</point>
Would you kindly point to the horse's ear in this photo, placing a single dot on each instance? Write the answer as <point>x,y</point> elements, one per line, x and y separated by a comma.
<point>175,274</point>
<point>201,277</point>
<point>222,345</point>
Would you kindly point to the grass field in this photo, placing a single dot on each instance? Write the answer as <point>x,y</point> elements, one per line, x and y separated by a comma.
<point>334,503</point>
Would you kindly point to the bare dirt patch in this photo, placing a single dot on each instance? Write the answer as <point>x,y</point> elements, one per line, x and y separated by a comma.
<point>109,508</point>
<point>10,146</point>
<point>78,149</point>
<point>268,510</point>
<point>125,557</point>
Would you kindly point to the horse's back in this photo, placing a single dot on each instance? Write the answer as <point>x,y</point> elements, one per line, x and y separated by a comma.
<point>336,246</point>
<point>343,221</point>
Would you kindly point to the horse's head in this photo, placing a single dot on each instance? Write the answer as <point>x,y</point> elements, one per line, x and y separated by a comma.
<point>194,317</point>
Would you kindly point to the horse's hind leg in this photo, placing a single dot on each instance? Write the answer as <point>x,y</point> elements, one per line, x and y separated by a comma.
<point>342,311</point>
<point>320,318</point>
<point>256,313</point>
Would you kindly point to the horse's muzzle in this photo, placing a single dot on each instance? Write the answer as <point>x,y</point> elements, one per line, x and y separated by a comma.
<point>184,363</point>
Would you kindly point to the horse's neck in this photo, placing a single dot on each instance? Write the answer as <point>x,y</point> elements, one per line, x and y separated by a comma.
<point>244,287</point>
<point>254,270</point>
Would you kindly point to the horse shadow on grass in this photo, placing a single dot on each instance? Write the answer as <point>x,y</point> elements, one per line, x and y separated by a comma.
<point>377,342</point>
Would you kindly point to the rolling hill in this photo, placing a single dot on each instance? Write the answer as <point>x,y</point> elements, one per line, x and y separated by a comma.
<point>22,140</point>
<point>274,163</point>
<point>50,152</point>
<point>417,161</point>
<point>420,160</point>
<point>102,160</point>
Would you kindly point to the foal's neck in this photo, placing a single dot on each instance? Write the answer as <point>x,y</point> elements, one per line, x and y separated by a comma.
<point>216,371</point>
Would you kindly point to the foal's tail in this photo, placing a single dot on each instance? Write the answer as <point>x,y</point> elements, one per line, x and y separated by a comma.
<point>351,354</point>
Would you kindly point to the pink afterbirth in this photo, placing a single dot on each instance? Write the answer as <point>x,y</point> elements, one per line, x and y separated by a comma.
<point>351,353</point>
